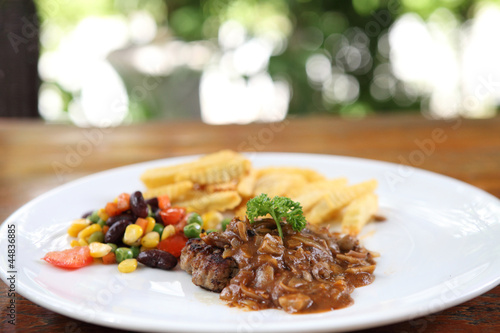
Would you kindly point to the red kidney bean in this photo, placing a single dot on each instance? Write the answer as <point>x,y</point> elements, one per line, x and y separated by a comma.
<point>157,259</point>
<point>158,218</point>
<point>153,203</point>
<point>138,205</point>
<point>113,219</point>
<point>116,231</point>
<point>87,214</point>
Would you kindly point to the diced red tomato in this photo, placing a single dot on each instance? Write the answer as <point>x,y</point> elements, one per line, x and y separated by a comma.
<point>173,244</point>
<point>76,257</point>
<point>172,215</point>
<point>163,202</point>
<point>179,227</point>
<point>123,202</point>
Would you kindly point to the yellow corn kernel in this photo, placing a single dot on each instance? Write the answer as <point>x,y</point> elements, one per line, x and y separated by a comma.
<point>82,242</point>
<point>132,234</point>
<point>127,265</point>
<point>211,219</point>
<point>151,224</point>
<point>151,239</point>
<point>99,250</point>
<point>85,233</point>
<point>168,231</point>
<point>77,226</point>
<point>143,248</point>
<point>75,242</point>
<point>102,214</point>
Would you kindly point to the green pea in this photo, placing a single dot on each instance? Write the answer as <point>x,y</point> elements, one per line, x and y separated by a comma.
<point>101,222</point>
<point>97,236</point>
<point>123,253</point>
<point>192,230</point>
<point>211,230</point>
<point>94,218</point>
<point>135,251</point>
<point>158,228</point>
<point>224,223</point>
<point>195,218</point>
<point>113,247</point>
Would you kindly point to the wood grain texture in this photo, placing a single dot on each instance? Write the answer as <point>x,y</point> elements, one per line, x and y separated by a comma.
<point>36,157</point>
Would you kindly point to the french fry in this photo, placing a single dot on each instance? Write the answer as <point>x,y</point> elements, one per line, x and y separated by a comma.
<point>225,180</point>
<point>309,199</point>
<point>174,191</point>
<point>220,201</point>
<point>221,155</point>
<point>190,195</point>
<point>241,209</point>
<point>217,172</point>
<point>217,187</point>
<point>332,202</point>
<point>328,184</point>
<point>156,177</point>
<point>311,193</point>
<point>358,213</point>
<point>278,184</point>
<point>308,174</point>
<point>247,183</point>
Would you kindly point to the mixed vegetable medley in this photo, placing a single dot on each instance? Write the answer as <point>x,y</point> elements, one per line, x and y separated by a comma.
<point>131,230</point>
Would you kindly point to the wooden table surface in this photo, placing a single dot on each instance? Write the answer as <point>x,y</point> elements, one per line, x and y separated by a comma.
<point>36,157</point>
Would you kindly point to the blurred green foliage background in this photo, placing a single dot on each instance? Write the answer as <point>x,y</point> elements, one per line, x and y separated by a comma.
<point>350,39</point>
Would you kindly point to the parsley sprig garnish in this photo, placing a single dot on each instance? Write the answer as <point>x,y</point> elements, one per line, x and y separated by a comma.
<point>280,208</point>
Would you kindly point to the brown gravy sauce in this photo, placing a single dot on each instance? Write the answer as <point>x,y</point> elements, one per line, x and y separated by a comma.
<point>308,271</point>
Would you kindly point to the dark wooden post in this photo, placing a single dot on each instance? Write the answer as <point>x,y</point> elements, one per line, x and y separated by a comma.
<point>19,52</point>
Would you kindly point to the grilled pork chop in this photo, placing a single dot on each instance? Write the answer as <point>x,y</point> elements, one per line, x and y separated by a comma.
<point>205,263</point>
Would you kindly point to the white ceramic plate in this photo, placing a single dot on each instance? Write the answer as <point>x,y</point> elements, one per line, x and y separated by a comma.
<point>439,247</point>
